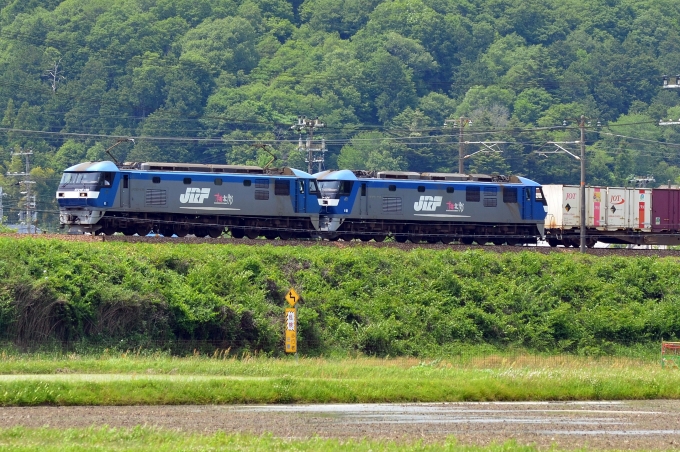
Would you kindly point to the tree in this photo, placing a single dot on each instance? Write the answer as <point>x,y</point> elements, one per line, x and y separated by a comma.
<point>372,151</point>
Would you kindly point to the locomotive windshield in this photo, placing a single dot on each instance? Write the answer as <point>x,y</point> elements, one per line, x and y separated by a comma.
<point>91,180</point>
<point>335,189</point>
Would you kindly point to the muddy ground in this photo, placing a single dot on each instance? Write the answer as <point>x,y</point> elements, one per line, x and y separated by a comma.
<point>648,425</point>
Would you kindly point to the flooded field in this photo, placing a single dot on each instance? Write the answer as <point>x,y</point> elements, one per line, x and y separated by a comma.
<point>567,425</point>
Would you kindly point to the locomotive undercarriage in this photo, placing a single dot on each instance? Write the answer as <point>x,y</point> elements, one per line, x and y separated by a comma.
<point>466,233</point>
<point>206,226</point>
<point>303,228</point>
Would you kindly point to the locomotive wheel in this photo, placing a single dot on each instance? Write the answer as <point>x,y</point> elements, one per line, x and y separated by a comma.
<point>237,233</point>
<point>414,239</point>
<point>270,235</point>
<point>446,240</point>
<point>252,234</point>
<point>142,230</point>
<point>201,232</point>
<point>467,240</point>
<point>346,237</point>
<point>379,238</point>
<point>215,232</point>
<point>400,238</point>
<point>365,238</point>
<point>284,235</point>
<point>180,232</point>
<point>553,243</point>
<point>432,239</point>
<point>165,231</point>
<point>498,242</point>
<point>108,230</point>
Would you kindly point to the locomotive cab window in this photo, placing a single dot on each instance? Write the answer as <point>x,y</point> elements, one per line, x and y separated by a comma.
<point>313,188</point>
<point>539,196</point>
<point>301,186</point>
<point>107,179</point>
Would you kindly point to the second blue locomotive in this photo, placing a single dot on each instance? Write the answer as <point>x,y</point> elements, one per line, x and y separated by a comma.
<point>432,207</point>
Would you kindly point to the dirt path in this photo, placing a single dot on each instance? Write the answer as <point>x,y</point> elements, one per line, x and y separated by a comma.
<point>600,425</point>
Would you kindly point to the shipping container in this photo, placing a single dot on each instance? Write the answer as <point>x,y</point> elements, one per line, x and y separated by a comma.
<point>563,206</point>
<point>640,209</point>
<point>617,208</point>
<point>665,210</point>
<point>596,207</point>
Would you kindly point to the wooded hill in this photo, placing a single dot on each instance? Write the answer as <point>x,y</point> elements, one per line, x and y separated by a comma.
<point>203,80</point>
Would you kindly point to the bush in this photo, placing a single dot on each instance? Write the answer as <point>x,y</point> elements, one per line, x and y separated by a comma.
<point>367,300</point>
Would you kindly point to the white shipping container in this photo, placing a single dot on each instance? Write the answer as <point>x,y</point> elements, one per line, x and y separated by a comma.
<point>596,207</point>
<point>618,208</point>
<point>640,209</point>
<point>553,197</point>
<point>563,206</point>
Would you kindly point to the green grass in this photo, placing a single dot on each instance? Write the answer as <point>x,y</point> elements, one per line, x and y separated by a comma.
<point>135,380</point>
<point>157,440</point>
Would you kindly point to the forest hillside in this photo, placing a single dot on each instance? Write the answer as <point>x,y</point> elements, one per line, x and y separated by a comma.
<point>205,80</point>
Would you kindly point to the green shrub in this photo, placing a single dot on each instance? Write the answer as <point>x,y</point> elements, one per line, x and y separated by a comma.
<point>376,301</point>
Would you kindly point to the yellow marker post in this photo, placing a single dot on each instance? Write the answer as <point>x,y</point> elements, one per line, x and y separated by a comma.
<point>291,330</point>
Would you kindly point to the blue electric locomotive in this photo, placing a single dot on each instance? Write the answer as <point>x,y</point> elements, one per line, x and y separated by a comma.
<point>182,198</point>
<point>432,207</point>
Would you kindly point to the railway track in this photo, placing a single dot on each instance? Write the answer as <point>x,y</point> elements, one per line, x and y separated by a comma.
<point>341,244</point>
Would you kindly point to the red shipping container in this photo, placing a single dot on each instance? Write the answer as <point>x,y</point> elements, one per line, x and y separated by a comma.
<point>665,210</point>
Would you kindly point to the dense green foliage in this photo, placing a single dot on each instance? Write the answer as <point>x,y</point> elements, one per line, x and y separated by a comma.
<point>217,76</point>
<point>356,299</point>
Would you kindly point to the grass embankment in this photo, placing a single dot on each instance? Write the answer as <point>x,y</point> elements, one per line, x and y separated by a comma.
<point>156,440</point>
<point>129,381</point>
<point>355,299</point>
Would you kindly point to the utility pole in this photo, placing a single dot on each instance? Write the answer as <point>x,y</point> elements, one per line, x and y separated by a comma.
<point>27,182</point>
<point>582,126</point>
<point>582,144</point>
<point>460,123</point>
<point>310,125</point>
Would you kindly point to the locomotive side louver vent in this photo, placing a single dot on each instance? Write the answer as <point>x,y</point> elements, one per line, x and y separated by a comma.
<point>391,205</point>
<point>155,197</point>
